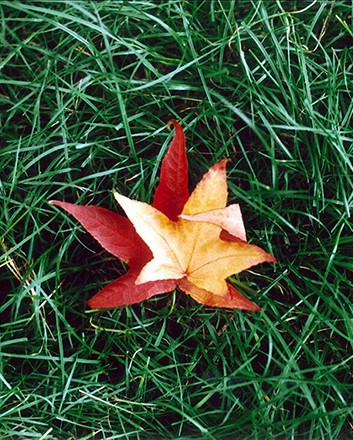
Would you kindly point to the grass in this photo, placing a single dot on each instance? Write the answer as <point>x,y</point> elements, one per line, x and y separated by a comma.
<point>86,90</point>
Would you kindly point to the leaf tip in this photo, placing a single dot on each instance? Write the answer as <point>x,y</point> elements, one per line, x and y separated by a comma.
<point>55,203</point>
<point>117,196</point>
<point>172,122</point>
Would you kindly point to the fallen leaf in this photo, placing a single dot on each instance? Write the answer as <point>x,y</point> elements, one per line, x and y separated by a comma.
<point>192,242</point>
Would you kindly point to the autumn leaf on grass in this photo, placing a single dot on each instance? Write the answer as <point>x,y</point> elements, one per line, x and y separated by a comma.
<point>192,242</point>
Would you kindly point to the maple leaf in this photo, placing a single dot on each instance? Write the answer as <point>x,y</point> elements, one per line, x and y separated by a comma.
<point>192,242</point>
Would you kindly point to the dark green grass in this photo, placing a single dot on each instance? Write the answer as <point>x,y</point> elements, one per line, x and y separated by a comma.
<point>86,90</point>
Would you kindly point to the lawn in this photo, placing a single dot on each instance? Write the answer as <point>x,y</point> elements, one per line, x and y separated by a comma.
<point>86,91</point>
